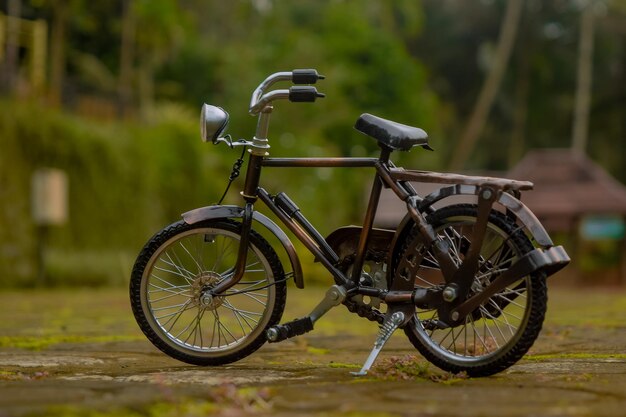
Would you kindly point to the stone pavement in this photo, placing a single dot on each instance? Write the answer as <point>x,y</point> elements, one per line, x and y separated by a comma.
<point>80,353</point>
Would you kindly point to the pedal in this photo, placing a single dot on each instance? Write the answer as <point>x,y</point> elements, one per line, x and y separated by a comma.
<point>334,296</point>
<point>390,325</point>
<point>293,328</point>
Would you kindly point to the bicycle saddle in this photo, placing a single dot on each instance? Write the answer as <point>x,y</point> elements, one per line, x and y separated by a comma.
<point>392,134</point>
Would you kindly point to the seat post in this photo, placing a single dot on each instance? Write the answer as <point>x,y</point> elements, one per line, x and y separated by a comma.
<point>385,153</point>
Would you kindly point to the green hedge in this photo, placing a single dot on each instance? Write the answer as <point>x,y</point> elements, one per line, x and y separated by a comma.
<point>127,180</point>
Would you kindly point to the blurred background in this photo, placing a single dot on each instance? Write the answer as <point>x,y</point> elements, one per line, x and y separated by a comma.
<point>99,116</point>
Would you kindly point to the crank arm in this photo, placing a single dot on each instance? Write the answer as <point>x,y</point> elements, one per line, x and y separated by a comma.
<point>550,261</point>
<point>334,296</point>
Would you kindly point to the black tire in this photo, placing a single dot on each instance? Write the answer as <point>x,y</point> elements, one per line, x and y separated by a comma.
<point>170,276</point>
<point>509,322</point>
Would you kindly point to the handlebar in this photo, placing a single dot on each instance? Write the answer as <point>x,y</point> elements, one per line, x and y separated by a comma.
<point>305,76</point>
<point>295,94</point>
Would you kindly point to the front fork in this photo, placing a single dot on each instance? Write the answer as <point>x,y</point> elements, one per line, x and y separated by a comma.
<point>250,195</point>
<point>242,253</point>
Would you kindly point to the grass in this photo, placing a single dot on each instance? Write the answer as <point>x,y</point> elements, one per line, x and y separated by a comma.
<point>411,367</point>
<point>224,400</point>
<point>343,365</point>
<point>45,318</point>
<point>574,355</point>
<point>44,342</point>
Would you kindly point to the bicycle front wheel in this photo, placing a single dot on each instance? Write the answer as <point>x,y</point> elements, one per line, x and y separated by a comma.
<point>503,328</point>
<point>173,307</point>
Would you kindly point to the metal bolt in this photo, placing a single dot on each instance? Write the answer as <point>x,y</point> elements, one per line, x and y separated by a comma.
<point>449,294</point>
<point>397,317</point>
<point>455,315</point>
<point>487,194</point>
<point>207,300</point>
<point>271,334</point>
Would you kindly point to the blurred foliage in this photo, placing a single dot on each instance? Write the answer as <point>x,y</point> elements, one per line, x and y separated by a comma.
<point>124,179</point>
<point>418,62</point>
<point>539,88</point>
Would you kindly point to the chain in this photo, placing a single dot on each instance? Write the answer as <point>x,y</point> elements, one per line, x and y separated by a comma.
<point>234,173</point>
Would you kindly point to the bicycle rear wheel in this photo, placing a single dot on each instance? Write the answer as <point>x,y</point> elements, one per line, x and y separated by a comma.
<point>501,330</point>
<point>170,301</point>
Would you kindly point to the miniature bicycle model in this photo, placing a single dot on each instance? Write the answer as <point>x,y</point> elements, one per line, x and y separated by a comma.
<point>466,282</point>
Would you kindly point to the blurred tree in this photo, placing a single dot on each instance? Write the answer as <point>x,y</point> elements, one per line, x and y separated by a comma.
<point>161,26</point>
<point>11,52</point>
<point>127,54</point>
<point>478,118</point>
<point>580,125</point>
<point>534,106</point>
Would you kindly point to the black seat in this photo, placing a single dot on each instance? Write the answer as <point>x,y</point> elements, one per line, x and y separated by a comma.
<point>395,136</point>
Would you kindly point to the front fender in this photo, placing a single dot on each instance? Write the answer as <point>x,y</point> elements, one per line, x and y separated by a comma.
<point>236,212</point>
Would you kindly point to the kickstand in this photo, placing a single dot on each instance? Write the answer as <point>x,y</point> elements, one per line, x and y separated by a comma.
<point>390,325</point>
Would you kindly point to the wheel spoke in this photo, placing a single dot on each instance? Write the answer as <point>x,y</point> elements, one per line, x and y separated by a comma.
<point>194,331</point>
<point>183,293</point>
<point>200,269</point>
<point>495,322</point>
<point>180,271</point>
<point>238,317</point>
<point>487,329</point>
<point>171,288</point>
<point>477,335</point>
<point>177,316</point>
<point>218,261</point>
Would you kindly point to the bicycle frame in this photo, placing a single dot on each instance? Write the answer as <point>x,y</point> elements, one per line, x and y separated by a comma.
<point>454,299</point>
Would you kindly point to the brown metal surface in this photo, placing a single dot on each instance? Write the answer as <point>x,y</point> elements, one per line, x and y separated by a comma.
<point>401,174</point>
<point>320,162</point>
<point>303,237</point>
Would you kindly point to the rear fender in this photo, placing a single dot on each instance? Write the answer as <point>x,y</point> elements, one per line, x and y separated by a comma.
<point>236,212</point>
<point>514,205</point>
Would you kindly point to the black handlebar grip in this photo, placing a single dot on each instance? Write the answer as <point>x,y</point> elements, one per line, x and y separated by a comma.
<point>305,76</point>
<point>303,94</point>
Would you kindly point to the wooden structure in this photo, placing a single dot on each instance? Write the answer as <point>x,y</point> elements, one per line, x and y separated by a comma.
<point>568,187</point>
<point>575,196</point>
<point>32,36</point>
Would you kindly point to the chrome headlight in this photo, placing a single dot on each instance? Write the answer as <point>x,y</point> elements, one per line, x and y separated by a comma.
<point>213,122</point>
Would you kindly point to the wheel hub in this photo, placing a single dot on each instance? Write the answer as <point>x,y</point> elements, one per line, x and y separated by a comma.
<point>200,287</point>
